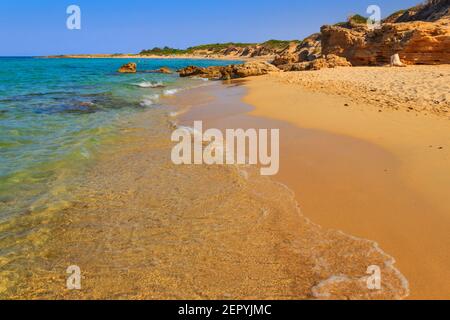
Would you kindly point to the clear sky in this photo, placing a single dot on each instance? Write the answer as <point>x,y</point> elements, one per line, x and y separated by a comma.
<point>38,27</point>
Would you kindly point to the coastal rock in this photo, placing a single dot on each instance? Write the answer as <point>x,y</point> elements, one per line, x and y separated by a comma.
<point>289,55</point>
<point>252,69</point>
<point>229,72</point>
<point>414,42</point>
<point>329,61</point>
<point>193,71</point>
<point>128,68</point>
<point>309,49</point>
<point>430,11</point>
<point>164,70</point>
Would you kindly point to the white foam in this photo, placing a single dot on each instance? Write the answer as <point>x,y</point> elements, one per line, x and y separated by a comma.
<point>150,84</point>
<point>200,78</point>
<point>150,100</point>
<point>170,92</point>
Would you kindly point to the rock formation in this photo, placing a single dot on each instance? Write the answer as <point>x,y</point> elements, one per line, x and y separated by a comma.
<point>328,61</point>
<point>420,35</point>
<point>128,68</point>
<point>415,42</point>
<point>431,11</point>
<point>164,70</point>
<point>229,72</point>
<point>309,49</point>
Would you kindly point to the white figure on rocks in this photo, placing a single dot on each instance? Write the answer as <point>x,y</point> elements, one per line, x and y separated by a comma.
<point>396,62</point>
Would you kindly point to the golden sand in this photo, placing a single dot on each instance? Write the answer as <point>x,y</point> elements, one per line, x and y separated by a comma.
<point>385,175</point>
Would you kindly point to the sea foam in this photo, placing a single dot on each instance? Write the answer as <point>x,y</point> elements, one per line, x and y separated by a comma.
<point>149,100</point>
<point>150,84</point>
<point>170,92</point>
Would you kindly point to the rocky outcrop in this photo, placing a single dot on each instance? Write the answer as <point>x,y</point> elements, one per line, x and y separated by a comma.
<point>252,69</point>
<point>430,11</point>
<point>164,70</point>
<point>209,72</point>
<point>329,61</point>
<point>229,72</point>
<point>128,68</point>
<point>415,42</point>
<point>309,49</point>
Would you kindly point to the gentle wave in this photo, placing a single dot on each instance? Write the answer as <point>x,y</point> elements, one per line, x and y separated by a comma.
<point>170,92</point>
<point>150,84</point>
<point>149,100</point>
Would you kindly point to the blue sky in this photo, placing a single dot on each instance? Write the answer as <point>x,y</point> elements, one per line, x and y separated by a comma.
<point>39,27</point>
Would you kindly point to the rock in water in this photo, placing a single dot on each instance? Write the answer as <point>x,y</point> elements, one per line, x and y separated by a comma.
<point>165,70</point>
<point>128,68</point>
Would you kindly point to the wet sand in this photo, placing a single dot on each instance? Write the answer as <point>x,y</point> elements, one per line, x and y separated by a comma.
<point>374,172</point>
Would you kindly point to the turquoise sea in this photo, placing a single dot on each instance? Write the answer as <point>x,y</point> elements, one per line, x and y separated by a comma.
<point>55,113</point>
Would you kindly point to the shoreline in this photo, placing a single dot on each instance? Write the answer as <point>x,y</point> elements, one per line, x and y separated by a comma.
<point>168,57</point>
<point>358,195</point>
<point>224,116</point>
<point>268,248</point>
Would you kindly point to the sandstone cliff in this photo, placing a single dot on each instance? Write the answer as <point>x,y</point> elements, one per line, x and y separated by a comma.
<point>308,50</point>
<point>430,11</point>
<point>415,42</point>
<point>419,35</point>
<point>266,50</point>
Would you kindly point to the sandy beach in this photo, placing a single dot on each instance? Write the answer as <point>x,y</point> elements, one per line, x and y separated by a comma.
<point>385,173</point>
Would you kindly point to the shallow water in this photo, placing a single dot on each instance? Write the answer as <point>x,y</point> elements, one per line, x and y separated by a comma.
<point>139,226</point>
<point>56,115</point>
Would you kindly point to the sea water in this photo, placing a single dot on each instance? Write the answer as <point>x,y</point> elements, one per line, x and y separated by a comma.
<point>55,113</point>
